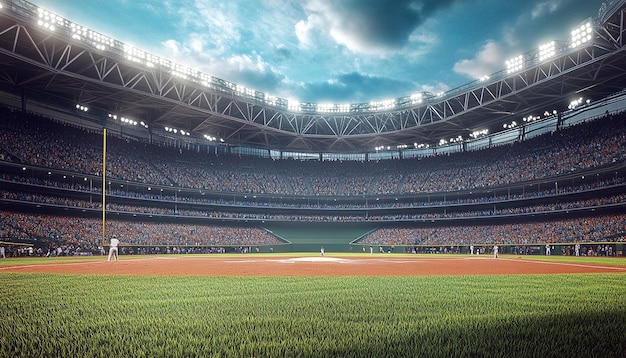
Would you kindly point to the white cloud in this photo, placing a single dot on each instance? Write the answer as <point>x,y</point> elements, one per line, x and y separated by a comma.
<point>251,71</point>
<point>366,27</point>
<point>422,42</point>
<point>173,48</point>
<point>197,42</point>
<point>210,27</point>
<point>246,63</point>
<point>545,8</point>
<point>305,32</point>
<point>488,60</point>
<point>434,88</point>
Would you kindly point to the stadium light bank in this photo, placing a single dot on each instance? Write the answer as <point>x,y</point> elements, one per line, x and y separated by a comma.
<point>580,36</point>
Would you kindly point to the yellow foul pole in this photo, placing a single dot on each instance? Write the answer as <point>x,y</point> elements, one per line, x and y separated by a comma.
<point>104,177</point>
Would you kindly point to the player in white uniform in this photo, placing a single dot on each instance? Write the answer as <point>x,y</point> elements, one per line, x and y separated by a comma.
<point>113,248</point>
<point>495,251</point>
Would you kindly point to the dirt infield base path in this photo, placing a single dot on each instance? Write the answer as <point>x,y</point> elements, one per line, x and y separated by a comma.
<point>312,266</point>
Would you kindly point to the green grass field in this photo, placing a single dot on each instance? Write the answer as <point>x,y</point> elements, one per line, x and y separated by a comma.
<point>443,316</point>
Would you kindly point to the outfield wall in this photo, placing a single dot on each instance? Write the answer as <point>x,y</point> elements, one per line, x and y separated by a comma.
<point>562,249</point>
<point>596,249</point>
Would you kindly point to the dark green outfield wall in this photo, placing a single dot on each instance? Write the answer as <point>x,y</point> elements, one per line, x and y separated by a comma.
<point>308,237</point>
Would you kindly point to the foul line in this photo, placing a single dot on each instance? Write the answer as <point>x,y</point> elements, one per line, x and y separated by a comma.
<point>616,268</point>
<point>87,262</point>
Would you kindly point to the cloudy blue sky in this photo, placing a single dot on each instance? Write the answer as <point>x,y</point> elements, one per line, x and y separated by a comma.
<point>337,51</point>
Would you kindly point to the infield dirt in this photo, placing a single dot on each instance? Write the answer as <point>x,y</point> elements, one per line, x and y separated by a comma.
<point>311,266</point>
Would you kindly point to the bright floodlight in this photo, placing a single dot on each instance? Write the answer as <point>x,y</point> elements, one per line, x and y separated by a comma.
<point>204,78</point>
<point>515,64</point>
<point>182,71</point>
<point>332,107</point>
<point>581,35</point>
<point>128,121</point>
<point>344,107</point>
<point>530,118</point>
<point>416,98</point>
<point>324,107</point>
<point>49,20</point>
<point>382,105</point>
<point>134,54</point>
<point>479,133</point>
<point>271,100</point>
<point>547,51</point>
<point>293,105</point>
<point>245,91</point>
<point>577,103</point>
<point>95,39</point>
<point>78,32</point>
<point>99,41</point>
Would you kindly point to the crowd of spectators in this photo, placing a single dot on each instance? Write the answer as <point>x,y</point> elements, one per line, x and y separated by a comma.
<point>449,203</point>
<point>38,141</point>
<point>86,233</point>
<point>586,229</point>
<point>263,214</point>
<point>43,142</point>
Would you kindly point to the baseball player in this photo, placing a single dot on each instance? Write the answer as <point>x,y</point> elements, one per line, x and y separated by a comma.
<point>113,248</point>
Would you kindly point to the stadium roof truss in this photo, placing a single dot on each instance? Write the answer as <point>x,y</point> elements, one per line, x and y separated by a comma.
<point>51,64</point>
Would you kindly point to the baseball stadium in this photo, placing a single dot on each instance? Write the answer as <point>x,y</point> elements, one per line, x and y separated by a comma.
<point>149,209</point>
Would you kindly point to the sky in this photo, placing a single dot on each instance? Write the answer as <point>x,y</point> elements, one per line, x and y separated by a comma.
<point>334,51</point>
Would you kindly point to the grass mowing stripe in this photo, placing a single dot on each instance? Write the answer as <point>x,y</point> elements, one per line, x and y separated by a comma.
<point>79,315</point>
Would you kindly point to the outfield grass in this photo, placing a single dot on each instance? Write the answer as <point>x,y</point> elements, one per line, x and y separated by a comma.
<point>460,316</point>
